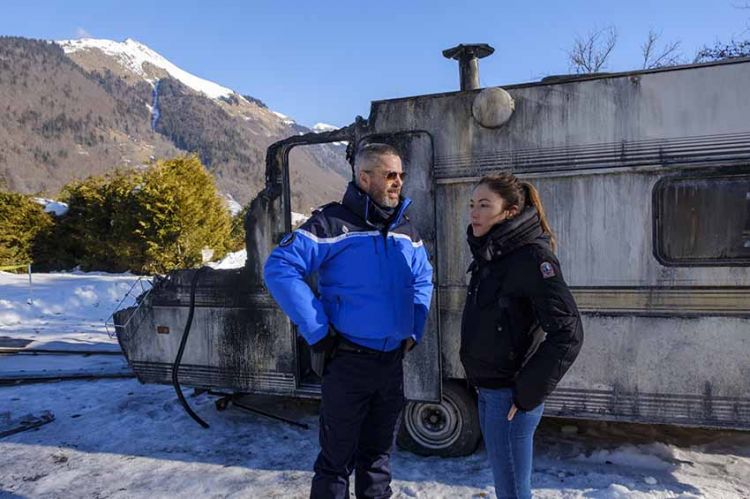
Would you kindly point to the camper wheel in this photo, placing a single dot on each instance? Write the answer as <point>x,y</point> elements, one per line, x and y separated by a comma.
<point>447,429</point>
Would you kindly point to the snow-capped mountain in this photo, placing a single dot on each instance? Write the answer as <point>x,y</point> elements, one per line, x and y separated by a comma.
<point>80,107</point>
<point>141,60</point>
<point>323,127</point>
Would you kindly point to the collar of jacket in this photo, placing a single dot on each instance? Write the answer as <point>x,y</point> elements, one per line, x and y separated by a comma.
<point>506,236</point>
<point>359,202</point>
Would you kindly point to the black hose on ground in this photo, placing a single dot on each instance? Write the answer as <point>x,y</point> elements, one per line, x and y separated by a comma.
<point>183,341</point>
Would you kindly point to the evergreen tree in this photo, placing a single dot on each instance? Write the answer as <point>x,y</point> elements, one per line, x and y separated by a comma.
<point>180,213</point>
<point>237,232</point>
<point>151,221</point>
<point>21,220</point>
<point>97,231</point>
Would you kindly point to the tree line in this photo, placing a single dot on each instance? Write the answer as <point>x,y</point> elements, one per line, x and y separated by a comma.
<point>151,220</point>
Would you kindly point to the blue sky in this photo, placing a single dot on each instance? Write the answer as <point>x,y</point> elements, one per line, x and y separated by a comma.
<point>325,61</point>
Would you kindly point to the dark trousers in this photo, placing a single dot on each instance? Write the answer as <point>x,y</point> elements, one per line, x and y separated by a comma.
<point>362,399</point>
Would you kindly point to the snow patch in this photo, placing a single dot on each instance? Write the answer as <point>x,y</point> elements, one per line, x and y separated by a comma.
<point>154,108</point>
<point>233,206</point>
<point>323,127</point>
<point>298,218</point>
<point>234,260</point>
<point>286,119</point>
<point>57,208</point>
<point>632,456</point>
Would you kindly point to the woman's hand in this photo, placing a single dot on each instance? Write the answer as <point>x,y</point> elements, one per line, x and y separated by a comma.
<point>512,412</point>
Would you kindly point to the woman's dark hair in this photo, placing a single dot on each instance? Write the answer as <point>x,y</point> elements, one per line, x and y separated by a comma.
<point>519,193</point>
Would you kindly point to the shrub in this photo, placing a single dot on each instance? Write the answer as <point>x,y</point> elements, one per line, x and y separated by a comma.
<point>21,221</point>
<point>151,221</point>
<point>237,232</point>
<point>97,231</point>
<point>179,213</point>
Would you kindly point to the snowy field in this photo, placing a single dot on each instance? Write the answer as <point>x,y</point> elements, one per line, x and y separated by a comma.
<point>63,310</point>
<point>117,438</point>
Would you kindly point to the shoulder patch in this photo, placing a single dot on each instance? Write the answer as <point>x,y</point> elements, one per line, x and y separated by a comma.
<point>547,270</point>
<point>287,239</point>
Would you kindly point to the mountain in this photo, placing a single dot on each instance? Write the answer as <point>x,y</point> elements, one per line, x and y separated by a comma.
<point>75,108</point>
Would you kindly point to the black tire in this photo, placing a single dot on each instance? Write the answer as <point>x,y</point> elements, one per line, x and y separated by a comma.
<point>448,429</point>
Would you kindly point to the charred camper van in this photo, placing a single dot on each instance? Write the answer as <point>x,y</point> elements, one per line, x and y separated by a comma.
<point>645,177</point>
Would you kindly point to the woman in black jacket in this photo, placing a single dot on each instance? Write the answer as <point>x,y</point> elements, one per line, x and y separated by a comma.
<point>521,330</point>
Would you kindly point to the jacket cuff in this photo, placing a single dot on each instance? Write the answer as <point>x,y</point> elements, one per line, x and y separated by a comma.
<point>525,405</point>
<point>317,335</point>
<point>518,405</point>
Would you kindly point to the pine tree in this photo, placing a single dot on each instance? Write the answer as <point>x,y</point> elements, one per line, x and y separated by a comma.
<point>151,221</point>
<point>21,220</point>
<point>180,213</point>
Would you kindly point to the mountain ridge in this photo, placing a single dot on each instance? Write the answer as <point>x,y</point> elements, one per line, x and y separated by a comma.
<point>85,107</point>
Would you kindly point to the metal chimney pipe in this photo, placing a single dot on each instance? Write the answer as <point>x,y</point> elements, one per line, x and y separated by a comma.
<point>468,62</point>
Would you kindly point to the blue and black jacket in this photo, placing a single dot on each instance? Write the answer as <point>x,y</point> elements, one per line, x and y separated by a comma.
<point>374,284</point>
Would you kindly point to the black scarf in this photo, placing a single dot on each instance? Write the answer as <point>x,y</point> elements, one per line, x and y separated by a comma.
<point>505,236</point>
<point>380,216</point>
<point>362,204</point>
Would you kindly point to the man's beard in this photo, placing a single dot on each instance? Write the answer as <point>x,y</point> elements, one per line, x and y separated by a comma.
<point>385,201</point>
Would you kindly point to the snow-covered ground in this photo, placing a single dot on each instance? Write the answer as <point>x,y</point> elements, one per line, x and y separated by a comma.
<point>117,438</point>
<point>64,309</point>
<point>122,439</point>
<point>231,261</point>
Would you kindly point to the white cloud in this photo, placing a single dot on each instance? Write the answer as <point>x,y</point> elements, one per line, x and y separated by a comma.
<point>82,33</point>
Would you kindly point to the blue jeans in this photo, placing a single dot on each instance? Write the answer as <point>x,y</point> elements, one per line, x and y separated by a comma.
<point>509,444</point>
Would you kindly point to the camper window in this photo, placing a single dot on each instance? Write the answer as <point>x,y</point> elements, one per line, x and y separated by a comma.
<point>703,220</point>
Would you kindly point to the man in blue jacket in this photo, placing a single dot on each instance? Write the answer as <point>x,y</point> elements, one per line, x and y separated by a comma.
<point>374,292</point>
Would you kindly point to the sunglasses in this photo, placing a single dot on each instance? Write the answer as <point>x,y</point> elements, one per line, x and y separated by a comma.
<point>390,175</point>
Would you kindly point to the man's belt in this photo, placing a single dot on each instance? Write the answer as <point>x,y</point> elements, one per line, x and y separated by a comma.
<point>345,345</point>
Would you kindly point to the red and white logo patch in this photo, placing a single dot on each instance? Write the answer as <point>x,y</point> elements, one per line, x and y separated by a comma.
<point>547,270</point>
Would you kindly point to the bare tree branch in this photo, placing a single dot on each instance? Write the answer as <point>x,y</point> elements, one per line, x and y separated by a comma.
<point>590,53</point>
<point>654,57</point>
<point>721,51</point>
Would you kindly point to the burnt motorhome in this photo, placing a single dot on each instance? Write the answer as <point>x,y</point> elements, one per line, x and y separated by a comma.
<point>645,177</point>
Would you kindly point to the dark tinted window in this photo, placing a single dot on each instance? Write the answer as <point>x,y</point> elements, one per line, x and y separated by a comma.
<point>703,220</point>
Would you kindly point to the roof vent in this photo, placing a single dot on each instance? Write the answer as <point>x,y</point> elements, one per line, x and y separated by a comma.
<point>468,62</point>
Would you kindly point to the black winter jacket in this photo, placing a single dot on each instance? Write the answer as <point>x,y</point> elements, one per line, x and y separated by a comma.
<point>520,327</point>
